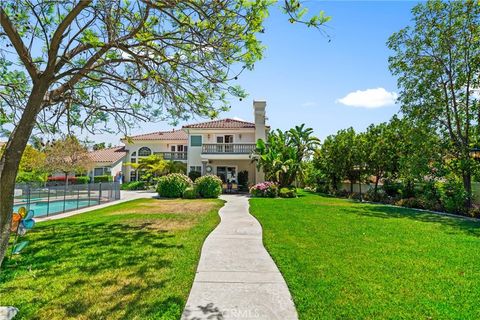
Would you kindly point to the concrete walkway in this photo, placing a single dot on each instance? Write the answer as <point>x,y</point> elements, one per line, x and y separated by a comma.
<point>124,196</point>
<point>236,277</point>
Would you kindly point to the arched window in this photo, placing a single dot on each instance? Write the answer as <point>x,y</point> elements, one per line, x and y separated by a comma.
<point>144,152</point>
<point>133,157</point>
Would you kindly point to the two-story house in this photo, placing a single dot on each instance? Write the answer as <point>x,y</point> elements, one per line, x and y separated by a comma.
<point>221,147</point>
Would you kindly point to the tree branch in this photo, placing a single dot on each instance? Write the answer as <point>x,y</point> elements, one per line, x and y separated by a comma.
<point>58,35</point>
<point>18,44</point>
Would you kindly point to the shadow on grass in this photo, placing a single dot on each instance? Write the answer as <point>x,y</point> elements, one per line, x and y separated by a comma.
<point>79,259</point>
<point>385,212</point>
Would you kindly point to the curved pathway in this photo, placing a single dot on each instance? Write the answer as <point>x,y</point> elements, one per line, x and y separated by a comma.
<point>236,277</point>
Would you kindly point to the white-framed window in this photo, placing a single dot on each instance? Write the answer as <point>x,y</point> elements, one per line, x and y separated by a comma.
<point>102,171</point>
<point>196,168</point>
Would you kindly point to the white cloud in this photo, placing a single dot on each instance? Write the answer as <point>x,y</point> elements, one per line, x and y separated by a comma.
<point>309,104</point>
<point>369,98</point>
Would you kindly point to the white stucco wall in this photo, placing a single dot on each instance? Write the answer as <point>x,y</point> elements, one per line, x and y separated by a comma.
<point>195,158</point>
<point>154,145</point>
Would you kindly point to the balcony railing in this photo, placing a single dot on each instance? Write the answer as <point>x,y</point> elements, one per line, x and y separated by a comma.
<point>173,155</point>
<point>223,148</point>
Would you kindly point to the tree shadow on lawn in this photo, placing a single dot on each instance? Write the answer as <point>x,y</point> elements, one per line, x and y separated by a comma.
<point>459,224</point>
<point>82,258</point>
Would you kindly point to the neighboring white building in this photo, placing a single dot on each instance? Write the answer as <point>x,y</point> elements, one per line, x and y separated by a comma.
<point>220,147</point>
<point>108,161</point>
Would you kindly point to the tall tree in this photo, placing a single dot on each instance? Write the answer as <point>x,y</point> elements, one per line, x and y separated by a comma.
<point>342,156</point>
<point>91,63</point>
<point>67,156</point>
<point>437,62</point>
<point>381,157</point>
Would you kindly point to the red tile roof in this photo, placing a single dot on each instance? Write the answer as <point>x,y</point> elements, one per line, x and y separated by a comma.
<point>110,155</point>
<point>222,124</point>
<point>162,135</point>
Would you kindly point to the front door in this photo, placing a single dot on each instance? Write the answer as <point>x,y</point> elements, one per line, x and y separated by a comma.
<point>227,174</point>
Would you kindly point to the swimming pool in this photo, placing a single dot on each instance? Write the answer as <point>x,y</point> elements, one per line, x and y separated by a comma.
<point>43,208</point>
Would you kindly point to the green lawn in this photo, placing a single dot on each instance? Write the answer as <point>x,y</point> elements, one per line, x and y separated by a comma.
<point>346,260</point>
<point>135,260</point>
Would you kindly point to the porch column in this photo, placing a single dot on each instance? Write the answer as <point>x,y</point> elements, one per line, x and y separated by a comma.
<point>204,167</point>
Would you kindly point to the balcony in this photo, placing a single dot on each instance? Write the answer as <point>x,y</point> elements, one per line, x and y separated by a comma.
<point>173,155</point>
<point>227,148</point>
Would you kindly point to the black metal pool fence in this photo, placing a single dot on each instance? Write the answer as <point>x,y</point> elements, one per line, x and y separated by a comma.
<point>48,200</point>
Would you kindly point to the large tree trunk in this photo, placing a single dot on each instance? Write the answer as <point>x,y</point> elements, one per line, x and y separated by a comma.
<point>467,184</point>
<point>10,161</point>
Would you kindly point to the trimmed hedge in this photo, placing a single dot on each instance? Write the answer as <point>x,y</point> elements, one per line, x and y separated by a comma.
<point>82,179</point>
<point>134,185</point>
<point>104,178</point>
<point>173,185</point>
<point>209,186</point>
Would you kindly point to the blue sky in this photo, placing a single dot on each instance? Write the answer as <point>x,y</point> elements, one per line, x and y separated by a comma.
<point>302,75</point>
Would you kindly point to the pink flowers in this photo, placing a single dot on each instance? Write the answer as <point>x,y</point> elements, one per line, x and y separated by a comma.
<point>265,189</point>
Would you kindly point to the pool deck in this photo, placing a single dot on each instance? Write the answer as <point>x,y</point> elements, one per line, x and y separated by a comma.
<point>124,196</point>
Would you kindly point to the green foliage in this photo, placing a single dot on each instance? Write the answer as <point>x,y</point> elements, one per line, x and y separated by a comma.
<point>33,176</point>
<point>265,189</point>
<point>173,185</point>
<point>283,156</point>
<point>104,178</point>
<point>82,179</point>
<point>437,64</point>
<point>290,192</point>
<point>338,157</point>
<point>134,185</point>
<point>190,193</point>
<point>376,196</point>
<point>453,195</point>
<point>209,186</point>
<point>194,175</point>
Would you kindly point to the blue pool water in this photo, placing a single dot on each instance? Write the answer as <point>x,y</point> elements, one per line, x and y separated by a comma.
<point>40,208</point>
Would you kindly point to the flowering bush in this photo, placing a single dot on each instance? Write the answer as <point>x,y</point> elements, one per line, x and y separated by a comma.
<point>265,189</point>
<point>173,185</point>
<point>209,186</point>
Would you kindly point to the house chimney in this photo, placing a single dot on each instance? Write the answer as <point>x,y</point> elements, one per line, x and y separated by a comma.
<point>259,116</point>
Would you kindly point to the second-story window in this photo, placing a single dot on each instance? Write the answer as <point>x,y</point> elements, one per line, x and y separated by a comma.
<point>144,152</point>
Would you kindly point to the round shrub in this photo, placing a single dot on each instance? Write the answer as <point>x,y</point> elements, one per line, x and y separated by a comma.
<point>190,193</point>
<point>209,186</point>
<point>194,175</point>
<point>173,185</point>
<point>452,195</point>
<point>290,192</point>
<point>265,189</point>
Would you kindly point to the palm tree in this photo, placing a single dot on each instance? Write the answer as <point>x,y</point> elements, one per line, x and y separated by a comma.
<point>283,156</point>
